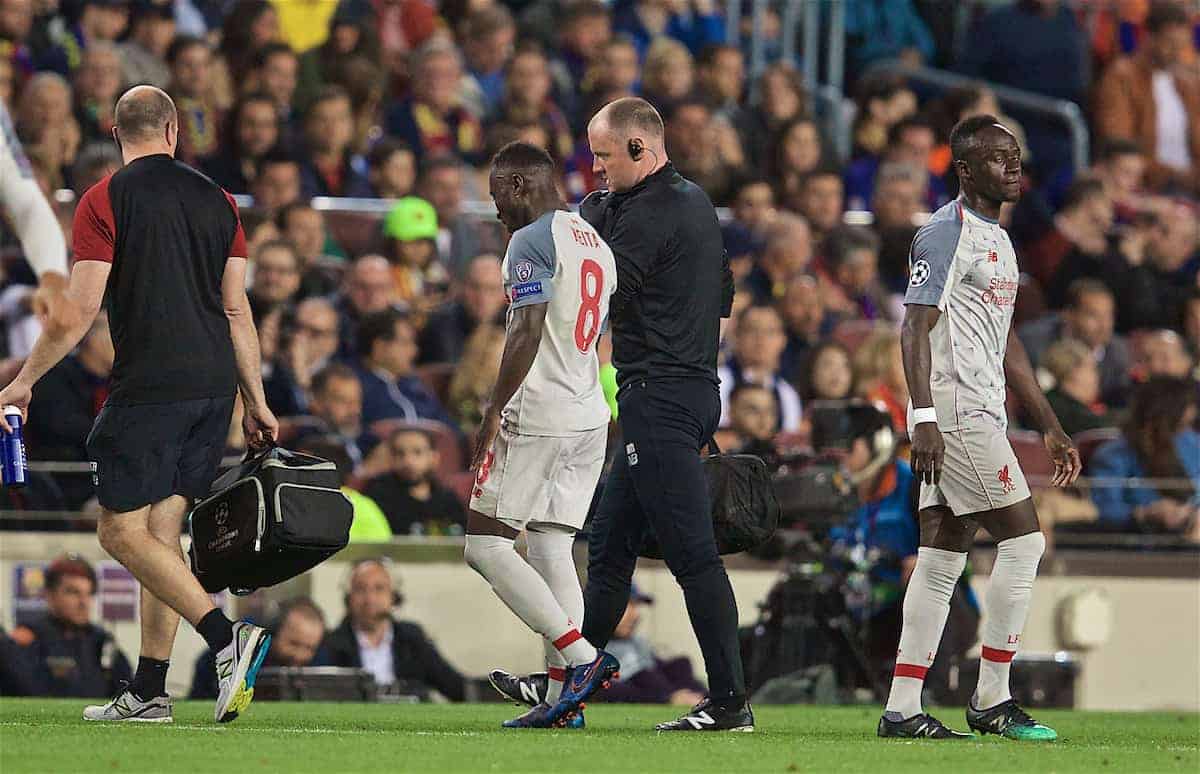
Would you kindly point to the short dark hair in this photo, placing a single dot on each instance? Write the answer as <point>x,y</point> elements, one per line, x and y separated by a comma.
<point>485,22</point>
<point>285,213</point>
<point>1163,14</point>
<point>1080,191</point>
<point>279,244</point>
<point>709,54</point>
<point>384,149</point>
<point>378,326</point>
<point>143,115</point>
<point>69,566</point>
<point>302,605</point>
<point>844,239</point>
<point>264,54</point>
<point>275,156</point>
<point>329,93</point>
<point>530,160</point>
<point>444,161</point>
<point>911,122</point>
<point>822,170</point>
<point>1086,286</point>
<point>963,137</point>
<point>744,387</point>
<point>329,373</point>
<point>583,9</point>
<point>633,114</point>
<point>1111,148</point>
<point>181,44</point>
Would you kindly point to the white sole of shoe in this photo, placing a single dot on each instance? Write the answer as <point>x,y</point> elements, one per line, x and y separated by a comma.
<point>240,696</point>
<point>130,720</point>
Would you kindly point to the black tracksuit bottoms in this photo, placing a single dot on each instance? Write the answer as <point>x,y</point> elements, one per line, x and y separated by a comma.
<point>657,483</point>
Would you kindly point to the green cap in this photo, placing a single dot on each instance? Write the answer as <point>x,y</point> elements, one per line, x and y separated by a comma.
<point>411,219</point>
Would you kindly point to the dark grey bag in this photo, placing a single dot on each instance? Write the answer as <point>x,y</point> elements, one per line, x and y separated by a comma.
<point>276,515</point>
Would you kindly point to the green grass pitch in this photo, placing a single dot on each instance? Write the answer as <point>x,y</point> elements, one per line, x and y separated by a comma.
<point>49,736</point>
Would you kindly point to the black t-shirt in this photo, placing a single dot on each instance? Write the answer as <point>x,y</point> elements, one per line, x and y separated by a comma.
<point>673,279</point>
<point>168,231</point>
<point>441,514</point>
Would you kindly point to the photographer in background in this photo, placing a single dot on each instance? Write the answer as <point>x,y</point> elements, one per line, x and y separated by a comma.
<point>884,529</point>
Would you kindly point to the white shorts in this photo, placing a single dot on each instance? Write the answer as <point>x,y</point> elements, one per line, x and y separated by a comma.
<point>980,472</point>
<point>539,479</point>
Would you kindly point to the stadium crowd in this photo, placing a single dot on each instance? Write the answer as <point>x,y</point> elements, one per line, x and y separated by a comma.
<point>381,336</point>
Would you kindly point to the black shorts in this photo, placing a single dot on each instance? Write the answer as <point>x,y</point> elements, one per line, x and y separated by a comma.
<point>145,453</point>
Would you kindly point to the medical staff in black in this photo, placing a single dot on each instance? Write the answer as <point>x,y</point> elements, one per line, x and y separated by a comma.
<point>674,288</point>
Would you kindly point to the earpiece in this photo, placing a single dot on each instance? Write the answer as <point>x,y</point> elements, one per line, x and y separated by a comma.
<point>635,150</point>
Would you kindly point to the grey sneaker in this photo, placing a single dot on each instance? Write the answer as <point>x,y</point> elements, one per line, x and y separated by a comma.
<point>126,707</point>
<point>237,668</point>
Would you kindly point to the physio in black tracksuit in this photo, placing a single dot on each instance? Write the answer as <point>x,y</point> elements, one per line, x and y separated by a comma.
<point>673,287</point>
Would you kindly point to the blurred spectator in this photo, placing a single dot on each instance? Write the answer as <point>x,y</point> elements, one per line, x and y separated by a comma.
<point>1035,45</point>
<point>369,525</point>
<point>95,162</point>
<point>297,633</point>
<point>1191,324</point>
<point>615,72</point>
<point>1121,166</point>
<point>410,233</point>
<point>1077,244</point>
<point>190,60</point>
<point>487,36</point>
<point>806,320</point>
<point>1158,443</point>
<point>309,340</point>
<point>304,228</point>
<point>391,169</point>
<point>331,168</point>
<point>68,399</point>
<point>668,74</point>
<point>368,288</point>
<point>475,375</point>
<point>911,142</point>
<point>72,656</point>
<point>94,21</point>
<point>387,348</point>
<point>820,198</point>
<point>1075,396</point>
<point>16,672</point>
<point>275,74</point>
<point>16,56</point>
<point>460,237</point>
<point>883,100</point>
<point>827,373</point>
<point>144,52</point>
<point>276,182</point>
<point>397,653</point>
<point>251,131</point>
<point>433,121</point>
<point>444,336</point>
<point>97,83</point>
<point>753,420</point>
<point>249,26</point>
<point>646,678</point>
<point>798,151</point>
<point>527,100</point>
<point>410,495</point>
<point>276,275</point>
<point>852,259</point>
<point>1164,354</point>
<point>885,29</point>
<point>898,196</point>
<point>721,75</point>
<point>705,151</point>
<point>695,23</point>
<point>753,206</point>
<point>1153,292</point>
<point>336,404</point>
<point>584,31</point>
<point>1153,97</point>
<point>788,252</point>
<point>45,121</point>
<point>349,35</point>
<point>879,374</point>
<point>8,85</point>
<point>1089,318</point>
<point>757,348</point>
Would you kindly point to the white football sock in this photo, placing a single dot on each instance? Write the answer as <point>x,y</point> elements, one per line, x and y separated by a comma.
<point>926,605</point>
<point>525,592</point>
<point>550,553</point>
<point>1004,612</point>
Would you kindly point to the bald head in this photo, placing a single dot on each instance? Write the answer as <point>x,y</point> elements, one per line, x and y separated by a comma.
<point>631,117</point>
<point>143,114</point>
<point>626,138</point>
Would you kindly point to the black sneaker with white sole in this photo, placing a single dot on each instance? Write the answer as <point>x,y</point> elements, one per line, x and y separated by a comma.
<point>922,726</point>
<point>530,691</point>
<point>710,716</point>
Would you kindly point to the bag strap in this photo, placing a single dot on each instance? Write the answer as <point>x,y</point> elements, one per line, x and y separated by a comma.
<point>253,454</point>
<point>713,446</point>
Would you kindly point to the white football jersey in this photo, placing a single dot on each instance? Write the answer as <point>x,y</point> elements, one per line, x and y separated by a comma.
<point>964,264</point>
<point>560,260</point>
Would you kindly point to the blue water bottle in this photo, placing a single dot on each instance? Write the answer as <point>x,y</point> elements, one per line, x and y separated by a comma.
<point>12,450</point>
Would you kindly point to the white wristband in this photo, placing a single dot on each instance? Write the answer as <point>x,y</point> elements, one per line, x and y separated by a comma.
<point>923,415</point>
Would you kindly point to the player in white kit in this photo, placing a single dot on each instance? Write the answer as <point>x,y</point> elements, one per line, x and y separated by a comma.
<point>959,353</point>
<point>541,444</point>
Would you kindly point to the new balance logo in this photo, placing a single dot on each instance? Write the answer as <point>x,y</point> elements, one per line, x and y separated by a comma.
<point>631,453</point>
<point>225,669</point>
<point>529,693</point>
<point>992,256</point>
<point>700,721</point>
